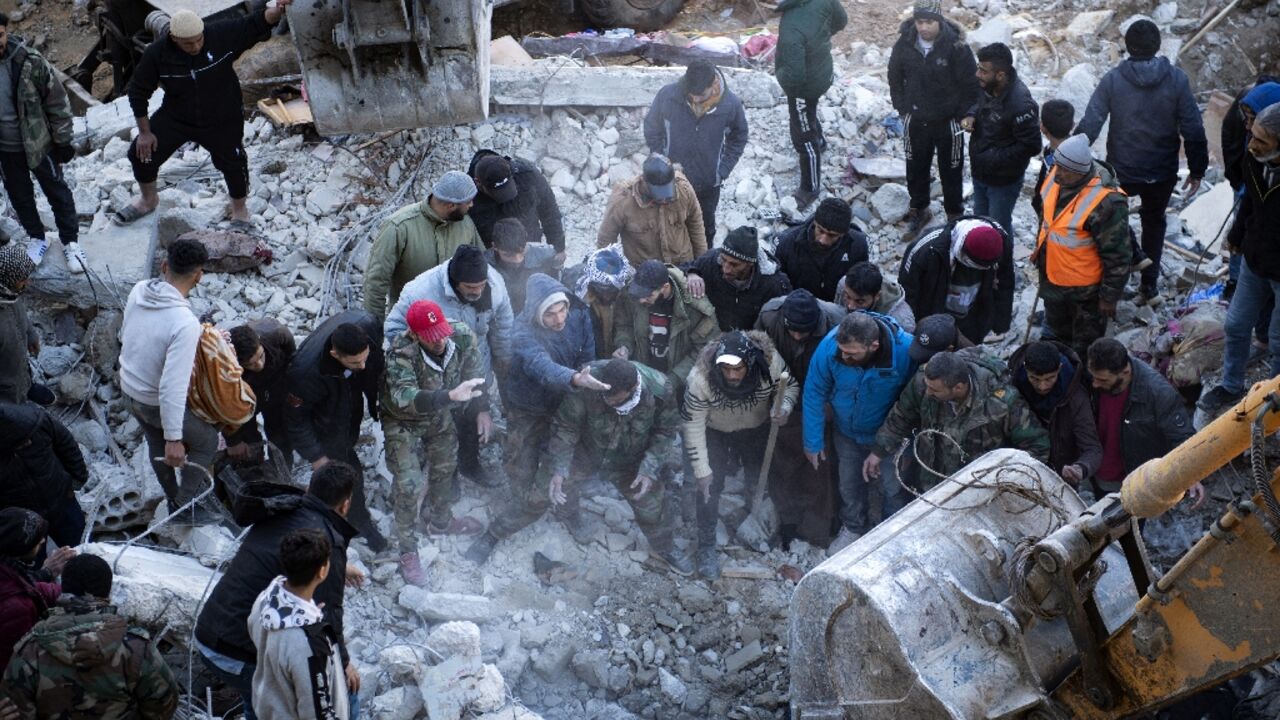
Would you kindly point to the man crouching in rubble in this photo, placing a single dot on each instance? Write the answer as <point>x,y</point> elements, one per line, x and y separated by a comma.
<point>626,434</point>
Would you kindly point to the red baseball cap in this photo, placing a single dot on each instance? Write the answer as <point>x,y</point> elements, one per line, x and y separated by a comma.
<point>427,321</point>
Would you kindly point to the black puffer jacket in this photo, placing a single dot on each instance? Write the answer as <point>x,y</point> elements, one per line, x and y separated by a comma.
<point>738,309</point>
<point>940,86</point>
<point>925,275</point>
<point>201,90</point>
<point>268,384</point>
<point>1006,135</point>
<point>40,462</point>
<point>534,205</point>
<point>817,269</point>
<point>221,625</point>
<point>323,408</point>
<point>1260,209</point>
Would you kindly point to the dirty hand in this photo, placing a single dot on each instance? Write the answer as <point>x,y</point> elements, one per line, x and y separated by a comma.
<point>145,145</point>
<point>1073,474</point>
<point>697,286</point>
<point>353,678</point>
<point>1197,494</point>
<point>59,559</point>
<point>871,467</point>
<point>622,353</point>
<point>815,457</point>
<point>1106,308</point>
<point>779,417</point>
<point>585,380</point>
<point>556,490</point>
<point>484,427</point>
<point>319,464</point>
<point>355,578</point>
<point>704,487</point>
<point>175,453</point>
<point>1191,186</point>
<point>967,124</point>
<point>644,482</point>
<point>466,390</point>
<point>238,452</point>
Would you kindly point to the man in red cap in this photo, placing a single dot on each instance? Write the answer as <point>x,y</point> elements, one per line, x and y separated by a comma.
<point>433,372</point>
<point>964,269</point>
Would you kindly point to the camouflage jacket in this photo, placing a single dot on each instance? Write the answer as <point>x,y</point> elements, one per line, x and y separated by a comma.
<point>416,388</point>
<point>84,662</point>
<point>994,415</point>
<point>613,442</point>
<point>44,112</point>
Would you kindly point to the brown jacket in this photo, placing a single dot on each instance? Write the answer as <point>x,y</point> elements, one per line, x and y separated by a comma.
<point>1073,432</point>
<point>671,233</point>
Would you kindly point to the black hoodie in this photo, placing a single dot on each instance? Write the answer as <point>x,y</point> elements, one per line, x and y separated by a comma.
<point>40,462</point>
<point>534,205</point>
<point>939,86</point>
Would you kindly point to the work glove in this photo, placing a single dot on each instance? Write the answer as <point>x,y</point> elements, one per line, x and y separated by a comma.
<point>62,153</point>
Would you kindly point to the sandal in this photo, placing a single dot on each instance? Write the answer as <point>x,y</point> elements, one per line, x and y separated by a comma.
<point>129,214</point>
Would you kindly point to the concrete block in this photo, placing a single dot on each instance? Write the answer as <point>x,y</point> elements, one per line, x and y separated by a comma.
<point>747,656</point>
<point>119,257</point>
<point>156,588</point>
<point>1205,215</point>
<point>103,122</point>
<point>552,82</point>
<point>456,639</point>
<point>453,688</point>
<point>1087,25</point>
<point>445,607</point>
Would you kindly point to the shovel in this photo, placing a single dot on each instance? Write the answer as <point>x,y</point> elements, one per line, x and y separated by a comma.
<point>761,524</point>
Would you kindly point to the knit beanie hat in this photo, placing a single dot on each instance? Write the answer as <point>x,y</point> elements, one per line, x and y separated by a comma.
<point>834,214</point>
<point>1142,39</point>
<point>741,243</point>
<point>454,187</point>
<point>427,321</point>
<point>20,530</point>
<point>927,10</point>
<point>1262,96</point>
<point>468,265</point>
<point>549,302</point>
<point>984,244</point>
<point>185,25</point>
<point>1074,154</point>
<point>699,76</point>
<point>800,311</point>
<point>509,235</point>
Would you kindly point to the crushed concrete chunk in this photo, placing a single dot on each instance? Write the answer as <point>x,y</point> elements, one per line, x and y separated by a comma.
<point>444,607</point>
<point>747,656</point>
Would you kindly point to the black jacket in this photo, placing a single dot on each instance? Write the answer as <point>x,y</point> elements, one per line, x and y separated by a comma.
<point>222,623</point>
<point>738,309</point>
<point>707,148</point>
<point>323,408</point>
<point>40,462</point>
<point>1260,211</point>
<point>200,90</point>
<point>534,205</point>
<point>925,275</point>
<point>1155,417</point>
<point>815,268</point>
<point>1071,421</point>
<point>268,384</point>
<point>940,86</point>
<point>1006,135</point>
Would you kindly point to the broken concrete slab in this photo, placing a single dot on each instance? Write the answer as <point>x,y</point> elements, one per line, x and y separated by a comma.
<point>882,167</point>
<point>456,686</point>
<point>1205,216</point>
<point>1089,24</point>
<point>103,122</point>
<point>156,589</point>
<point>119,257</point>
<point>444,607</point>
<point>557,82</point>
<point>747,656</point>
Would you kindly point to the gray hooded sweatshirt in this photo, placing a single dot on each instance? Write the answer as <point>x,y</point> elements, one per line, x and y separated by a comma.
<point>299,674</point>
<point>158,341</point>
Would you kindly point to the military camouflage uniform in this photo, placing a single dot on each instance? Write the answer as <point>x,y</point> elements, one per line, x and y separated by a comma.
<point>1071,313</point>
<point>588,436</point>
<point>84,662</point>
<point>994,415</point>
<point>418,417</point>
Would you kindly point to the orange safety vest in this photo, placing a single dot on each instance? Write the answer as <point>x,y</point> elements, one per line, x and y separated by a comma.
<point>1071,258</point>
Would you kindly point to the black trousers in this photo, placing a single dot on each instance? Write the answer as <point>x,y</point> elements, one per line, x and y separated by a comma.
<point>468,439</point>
<point>1155,200</point>
<point>22,194</point>
<point>806,137</point>
<point>709,200</point>
<point>726,452</point>
<point>224,143</point>
<point>922,139</point>
<point>359,515</point>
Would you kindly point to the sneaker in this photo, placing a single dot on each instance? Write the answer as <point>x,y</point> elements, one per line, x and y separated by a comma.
<point>1147,296</point>
<point>708,563</point>
<point>36,250</point>
<point>76,261</point>
<point>1218,399</point>
<point>844,539</point>
<point>411,570</point>
<point>917,219</point>
<point>677,560</point>
<point>481,549</point>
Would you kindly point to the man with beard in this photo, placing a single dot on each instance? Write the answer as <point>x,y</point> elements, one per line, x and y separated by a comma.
<point>738,279</point>
<point>516,260</point>
<point>469,291</point>
<point>727,411</point>
<point>964,269</point>
<point>864,287</point>
<point>815,254</point>
<point>859,368</point>
<point>1005,135</point>
<point>1051,379</point>
<point>932,84</point>
<point>419,237</point>
<point>661,324</point>
<point>598,281</point>
<point>264,348</point>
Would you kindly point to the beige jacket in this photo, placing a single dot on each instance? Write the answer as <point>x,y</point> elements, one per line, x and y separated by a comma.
<point>671,233</point>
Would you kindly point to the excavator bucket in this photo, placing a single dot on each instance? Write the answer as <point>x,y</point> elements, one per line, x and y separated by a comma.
<point>375,65</point>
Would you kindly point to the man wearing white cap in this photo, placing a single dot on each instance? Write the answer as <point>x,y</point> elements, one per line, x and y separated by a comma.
<point>194,67</point>
<point>1082,251</point>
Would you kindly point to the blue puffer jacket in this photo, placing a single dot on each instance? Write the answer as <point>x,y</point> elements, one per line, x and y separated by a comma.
<point>859,397</point>
<point>1150,104</point>
<point>544,361</point>
<point>709,147</point>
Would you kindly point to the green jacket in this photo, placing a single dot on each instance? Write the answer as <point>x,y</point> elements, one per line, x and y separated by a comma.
<point>1109,226</point>
<point>44,112</point>
<point>803,64</point>
<point>84,662</point>
<point>415,390</point>
<point>410,242</point>
<point>617,443</point>
<point>994,415</point>
<point>693,325</point>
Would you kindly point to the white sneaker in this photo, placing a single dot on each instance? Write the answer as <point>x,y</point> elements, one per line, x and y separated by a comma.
<point>76,261</point>
<point>844,539</point>
<point>36,250</point>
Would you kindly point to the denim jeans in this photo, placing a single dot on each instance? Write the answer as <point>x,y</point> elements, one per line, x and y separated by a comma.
<point>853,486</point>
<point>1252,294</point>
<point>996,202</point>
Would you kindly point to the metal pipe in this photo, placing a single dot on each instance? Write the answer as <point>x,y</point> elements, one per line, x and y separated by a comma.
<point>1229,522</point>
<point>1159,484</point>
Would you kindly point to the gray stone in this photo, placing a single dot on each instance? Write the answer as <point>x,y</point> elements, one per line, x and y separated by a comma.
<point>322,244</point>
<point>891,202</point>
<point>402,703</point>
<point>103,122</point>
<point>178,221</point>
<point>56,360</point>
<point>76,386</point>
<point>672,687</point>
<point>456,639</point>
<point>697,699</point>
<point>553,660</point>
<point>90,434</point>
<point>102,341</point>
<point>592,667</point>
<point>750,654</point>
<point>403,663</point>
<point>549,83</point>
<point>444,607</point>
<point>994,30</point>
<point>883,167</point>
<point>1087,27</point>
<point>118,257</point>
<point>457,686</point>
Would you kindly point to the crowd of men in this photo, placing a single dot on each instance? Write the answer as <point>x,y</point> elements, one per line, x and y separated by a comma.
<point>658,364</point>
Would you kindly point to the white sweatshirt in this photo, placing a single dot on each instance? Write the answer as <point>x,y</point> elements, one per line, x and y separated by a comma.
<point>158,341</point>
